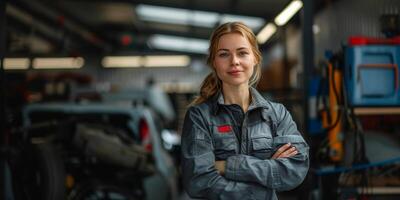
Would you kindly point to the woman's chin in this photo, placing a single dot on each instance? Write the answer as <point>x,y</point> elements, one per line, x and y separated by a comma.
<point>236,83</point>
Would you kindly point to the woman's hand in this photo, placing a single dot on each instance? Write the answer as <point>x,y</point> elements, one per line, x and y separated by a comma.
<point>220,166</point>
<point>285,151</point>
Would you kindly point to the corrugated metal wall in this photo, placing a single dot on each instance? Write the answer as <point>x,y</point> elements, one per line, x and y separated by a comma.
<point>345,18</point>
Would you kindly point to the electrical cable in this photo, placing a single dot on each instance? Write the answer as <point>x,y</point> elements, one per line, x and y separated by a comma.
<point>359,153</point>
<point>358,148</point>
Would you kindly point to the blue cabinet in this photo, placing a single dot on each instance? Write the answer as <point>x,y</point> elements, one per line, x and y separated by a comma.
<point>372,75</point>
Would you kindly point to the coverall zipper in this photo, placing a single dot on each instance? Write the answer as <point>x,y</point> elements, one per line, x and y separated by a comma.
<point>244,133</point>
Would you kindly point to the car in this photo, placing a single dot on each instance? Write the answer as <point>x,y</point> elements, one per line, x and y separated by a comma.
<point>92,151</point>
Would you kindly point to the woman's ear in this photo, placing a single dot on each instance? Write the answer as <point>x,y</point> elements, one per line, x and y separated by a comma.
<point>255,60</point>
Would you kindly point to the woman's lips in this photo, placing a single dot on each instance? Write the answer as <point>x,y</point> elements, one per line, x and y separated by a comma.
<point>234,73</point>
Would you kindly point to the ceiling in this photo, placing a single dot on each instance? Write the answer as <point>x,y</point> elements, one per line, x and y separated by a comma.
<point>81,27</point>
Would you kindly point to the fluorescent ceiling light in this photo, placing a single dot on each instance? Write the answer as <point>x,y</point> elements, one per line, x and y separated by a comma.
<point>58,63</point>
<point>266,33</point>
<point>16,63</point>
<point>167,42</point>
<point>202,18</point>
<point>121,61</point>
<point>177,16</point>
<point>146,61</point>
<point>288,12</point>
<point>192,17</point>
<point>252,22</point>
<point>166,61</point>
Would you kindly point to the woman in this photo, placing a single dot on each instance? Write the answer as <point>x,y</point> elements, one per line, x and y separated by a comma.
<point>235,143</point>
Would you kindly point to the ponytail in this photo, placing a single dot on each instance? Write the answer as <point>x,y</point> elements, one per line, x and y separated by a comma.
<point>210,87</point>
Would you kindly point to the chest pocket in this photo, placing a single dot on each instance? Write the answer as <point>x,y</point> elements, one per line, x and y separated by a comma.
<point>261,146</point>
<point>225,144</point>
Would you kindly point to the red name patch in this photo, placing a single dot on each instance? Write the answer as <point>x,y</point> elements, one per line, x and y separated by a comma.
<point>224,128</point>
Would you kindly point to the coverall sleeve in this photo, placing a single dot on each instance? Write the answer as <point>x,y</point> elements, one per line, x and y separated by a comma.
<point>279,174</point>
<point>200,177</point>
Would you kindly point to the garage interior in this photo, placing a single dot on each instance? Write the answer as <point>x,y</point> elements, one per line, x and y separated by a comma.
<point>94,92</point>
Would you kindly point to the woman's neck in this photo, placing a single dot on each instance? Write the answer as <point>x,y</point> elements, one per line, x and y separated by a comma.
<point>237,95</point>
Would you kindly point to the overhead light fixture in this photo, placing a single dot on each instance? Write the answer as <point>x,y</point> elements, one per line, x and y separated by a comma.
<point>266,33</point>
<point>166,61</point>
<point>202,18</point>
<point>288,12</point>
<point>121,61</point>
<point>145,61</point>
<point>58,63</point>
<point>183,44</point>
<point>16,63</point>
<point>176,16</point>
<point>192,17</point>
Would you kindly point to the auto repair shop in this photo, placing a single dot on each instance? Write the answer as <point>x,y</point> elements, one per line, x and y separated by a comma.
<point>94,95</point>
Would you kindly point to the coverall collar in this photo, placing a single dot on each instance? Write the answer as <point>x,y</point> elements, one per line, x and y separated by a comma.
<point>258,101</point>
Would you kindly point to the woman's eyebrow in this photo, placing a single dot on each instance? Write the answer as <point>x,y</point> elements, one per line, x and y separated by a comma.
<point>238,49</point>
<point>223,50</point>
<point>242,48</point>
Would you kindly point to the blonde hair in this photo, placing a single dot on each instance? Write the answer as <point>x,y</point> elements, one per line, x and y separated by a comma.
<point>212,84</point>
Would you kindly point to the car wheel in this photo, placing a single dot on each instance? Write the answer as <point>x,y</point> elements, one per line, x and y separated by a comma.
<point>39,173</point>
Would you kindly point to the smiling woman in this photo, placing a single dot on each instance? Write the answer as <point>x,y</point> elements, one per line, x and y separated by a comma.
<point>234,62</point>
<point>220,51</point>
<point>235,143</point>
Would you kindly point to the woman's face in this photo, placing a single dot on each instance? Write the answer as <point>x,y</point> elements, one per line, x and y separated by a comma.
<point>234,60</point>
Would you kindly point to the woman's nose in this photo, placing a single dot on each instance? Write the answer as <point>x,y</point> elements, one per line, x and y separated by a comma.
<point>235,60</point>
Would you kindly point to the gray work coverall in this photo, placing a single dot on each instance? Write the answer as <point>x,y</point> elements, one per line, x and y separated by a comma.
<point>208,135</point>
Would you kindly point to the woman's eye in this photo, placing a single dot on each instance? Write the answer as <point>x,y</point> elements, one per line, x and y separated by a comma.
<point>223,54</point>
<point>243,53</point>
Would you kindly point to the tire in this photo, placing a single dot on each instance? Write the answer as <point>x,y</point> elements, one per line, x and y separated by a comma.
<point>39,174</point>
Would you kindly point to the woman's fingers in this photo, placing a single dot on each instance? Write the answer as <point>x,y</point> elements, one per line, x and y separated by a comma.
<point>285,151</point>
<point>281,150</point>
<point>293,153</point>
<point>288,153</point>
